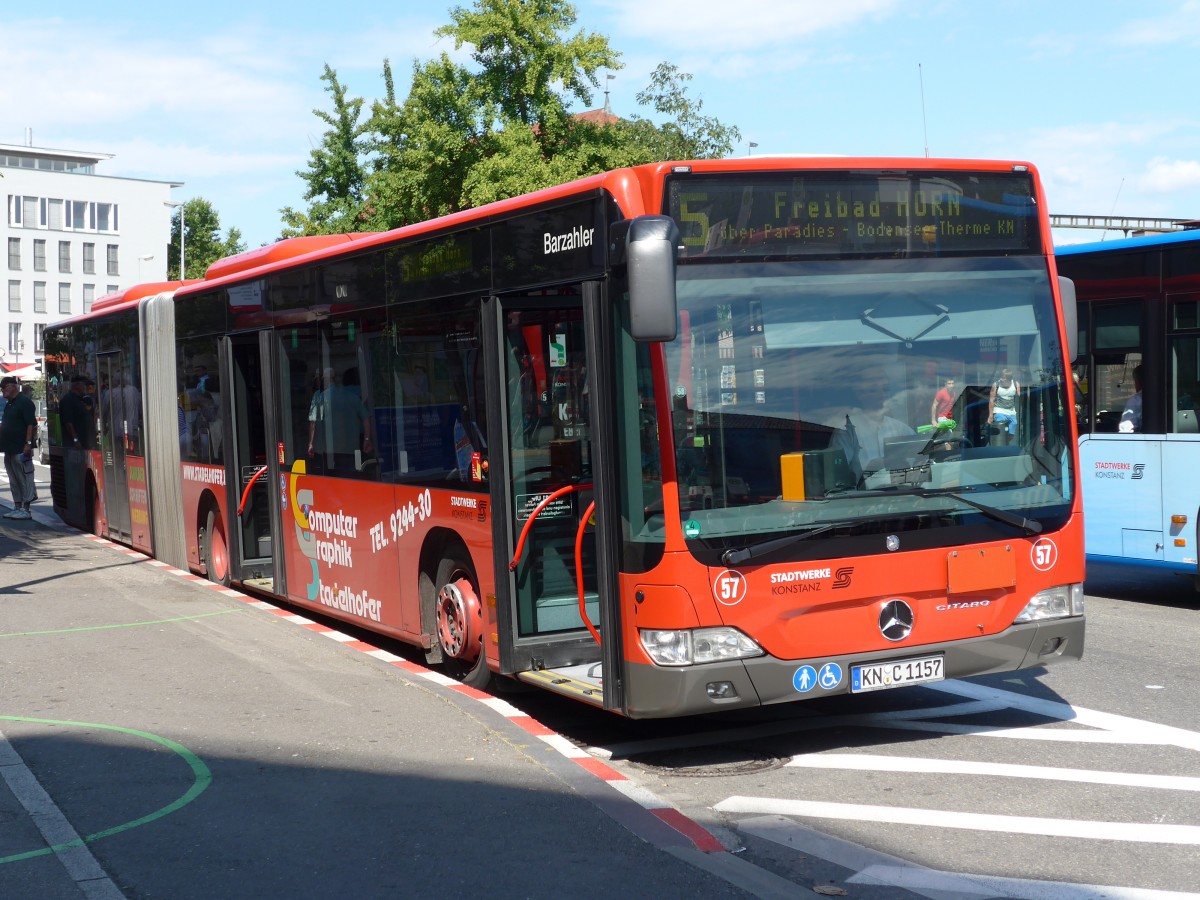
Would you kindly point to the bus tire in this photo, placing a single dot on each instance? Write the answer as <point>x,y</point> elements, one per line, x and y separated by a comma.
<point>459,618</point>
<point>214,549</point>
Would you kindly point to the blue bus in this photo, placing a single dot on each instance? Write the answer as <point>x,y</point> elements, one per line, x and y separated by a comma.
<point>1137,393</point>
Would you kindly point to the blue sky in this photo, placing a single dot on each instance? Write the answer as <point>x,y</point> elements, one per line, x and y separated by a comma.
<point>219,95</point>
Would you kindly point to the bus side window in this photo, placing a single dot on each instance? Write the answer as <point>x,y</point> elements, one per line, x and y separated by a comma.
<point>1185,384</point>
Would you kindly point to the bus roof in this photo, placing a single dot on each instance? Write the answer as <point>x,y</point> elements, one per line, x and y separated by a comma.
<point>1133,243</point>
<point>638,190</point>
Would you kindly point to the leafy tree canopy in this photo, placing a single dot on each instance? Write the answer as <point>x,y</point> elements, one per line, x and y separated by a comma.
<point>469,135</point>
<point>336,176</point>
<point>203,244</point>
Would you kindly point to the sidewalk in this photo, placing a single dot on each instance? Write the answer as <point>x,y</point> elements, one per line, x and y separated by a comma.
<point>171,739</point>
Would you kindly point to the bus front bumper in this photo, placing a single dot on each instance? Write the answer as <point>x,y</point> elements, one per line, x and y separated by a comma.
<point>662,691</point>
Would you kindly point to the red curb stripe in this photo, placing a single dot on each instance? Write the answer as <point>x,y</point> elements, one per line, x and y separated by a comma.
<point>698,835</point>
<point>361,646</point>
<point>410,666</point>
<point>599,769</point>
<point>530,724</point>
<point>468,691</point>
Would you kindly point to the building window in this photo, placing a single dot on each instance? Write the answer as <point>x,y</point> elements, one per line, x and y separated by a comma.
<point>39,296</point>
<point>89,294</point>
<point>78,213</point>
<point>113,269</point>
<point>39,337</point>
<point>55,215</point>
<point>14,296</point>
<point>14,254</point>
<point>30,213</point>
<point>64,297</point>
<point>106,217</point>
<point>89,259</point>
<point>112,288</point>
<point>39,255</point>
<point>14,210</point>
<point>14,338</point>
<point>64,257</point>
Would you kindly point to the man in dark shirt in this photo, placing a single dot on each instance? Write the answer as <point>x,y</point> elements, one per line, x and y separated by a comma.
<point>17,430</point>
<point>75,415</point>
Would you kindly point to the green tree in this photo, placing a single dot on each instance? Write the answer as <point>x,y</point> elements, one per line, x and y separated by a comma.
<point>203,244</point>
<point>336,176</point>
<point>465,136</point>
<point>686,134</point>
<point>423,150</point>
<point>528,63</point>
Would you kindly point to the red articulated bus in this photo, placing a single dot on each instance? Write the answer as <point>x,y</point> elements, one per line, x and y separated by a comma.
<point>658,439</point>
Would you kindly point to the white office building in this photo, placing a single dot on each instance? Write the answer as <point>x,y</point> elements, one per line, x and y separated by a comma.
<point>71,236</point>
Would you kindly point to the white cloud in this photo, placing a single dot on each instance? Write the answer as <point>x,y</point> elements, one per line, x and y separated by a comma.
<point>1182,25</point>
<point>1164,176</point>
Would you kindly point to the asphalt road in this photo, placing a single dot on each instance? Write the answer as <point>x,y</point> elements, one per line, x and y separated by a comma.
<point>1078,781</point>
<point>161,739</point>
<point>204,748</point>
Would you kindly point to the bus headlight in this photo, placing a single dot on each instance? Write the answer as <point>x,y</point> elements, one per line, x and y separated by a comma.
<point>697,646</point>
<point>1053,603</point>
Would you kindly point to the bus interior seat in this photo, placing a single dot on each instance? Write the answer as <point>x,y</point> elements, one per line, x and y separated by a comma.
<point>1185,421</point>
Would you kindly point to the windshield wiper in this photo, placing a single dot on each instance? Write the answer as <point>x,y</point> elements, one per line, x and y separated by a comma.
<point>733,557</point>
<point>1030,526</point>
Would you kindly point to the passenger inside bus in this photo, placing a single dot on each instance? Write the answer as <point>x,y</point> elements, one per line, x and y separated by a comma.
<point>867,431</point>
<point>1131,413</point>
<point>339,426</point>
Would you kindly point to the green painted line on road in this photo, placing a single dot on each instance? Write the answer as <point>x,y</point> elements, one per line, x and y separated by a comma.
<point>201,779</point>
<point>221,612</point>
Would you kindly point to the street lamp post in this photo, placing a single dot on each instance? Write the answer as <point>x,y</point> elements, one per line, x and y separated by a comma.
<point>182,233</point>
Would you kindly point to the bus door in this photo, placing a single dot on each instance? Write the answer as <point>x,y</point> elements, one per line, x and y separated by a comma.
<point>252,469</point>
<point>114,396</point>
<point>544,480</point>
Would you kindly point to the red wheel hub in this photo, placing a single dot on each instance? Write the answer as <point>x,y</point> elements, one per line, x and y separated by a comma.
<point>459,620</point>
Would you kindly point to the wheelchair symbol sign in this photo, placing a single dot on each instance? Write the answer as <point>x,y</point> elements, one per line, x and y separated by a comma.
<point>830,676</point>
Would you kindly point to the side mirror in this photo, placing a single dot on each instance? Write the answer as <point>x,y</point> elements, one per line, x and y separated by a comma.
<point>1066,293</point>
<point>649,244</point>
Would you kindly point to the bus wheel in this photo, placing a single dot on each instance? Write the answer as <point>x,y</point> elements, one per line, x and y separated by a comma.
<point>459,622</point>
<point>214,550</point>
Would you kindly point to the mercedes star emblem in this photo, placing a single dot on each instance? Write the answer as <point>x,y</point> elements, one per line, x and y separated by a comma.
<point>896,620</point>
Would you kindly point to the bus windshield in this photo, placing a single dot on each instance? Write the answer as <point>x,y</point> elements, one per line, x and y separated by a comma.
<point>873,394</point>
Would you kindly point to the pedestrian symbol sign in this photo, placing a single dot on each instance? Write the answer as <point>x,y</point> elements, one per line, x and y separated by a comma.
<point>804,679</point>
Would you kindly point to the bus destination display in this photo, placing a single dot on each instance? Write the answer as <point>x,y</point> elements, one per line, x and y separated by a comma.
<point>825,214</point>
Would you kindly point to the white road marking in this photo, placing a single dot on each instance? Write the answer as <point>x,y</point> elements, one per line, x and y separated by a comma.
<point>939,818</point>
<point>1137,731</point>
<point>76,857</point>
<point>875,867</point>
<point>877,763</point>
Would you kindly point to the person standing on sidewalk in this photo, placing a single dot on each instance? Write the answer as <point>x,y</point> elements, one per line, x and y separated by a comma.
<point>17,430</point>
